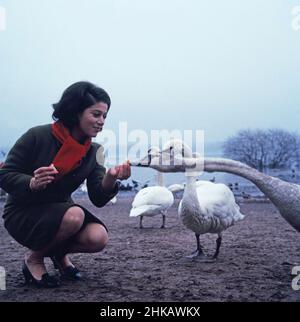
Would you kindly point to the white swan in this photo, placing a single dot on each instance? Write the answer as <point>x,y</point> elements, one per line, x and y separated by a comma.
<point>206,207</point>
<point>152,201</point>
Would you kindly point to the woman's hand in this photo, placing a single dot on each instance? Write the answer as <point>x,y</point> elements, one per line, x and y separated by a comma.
<point>42,177</point>
<point>120,172</point>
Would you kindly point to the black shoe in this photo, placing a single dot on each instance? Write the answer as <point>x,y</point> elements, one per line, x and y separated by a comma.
<point>70,272</point>
<point>47,281</point>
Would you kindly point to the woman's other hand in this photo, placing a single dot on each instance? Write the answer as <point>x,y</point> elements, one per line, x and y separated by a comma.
<point>42,177</point>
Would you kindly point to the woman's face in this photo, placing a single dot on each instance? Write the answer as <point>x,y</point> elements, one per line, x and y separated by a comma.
<point>92,120</point>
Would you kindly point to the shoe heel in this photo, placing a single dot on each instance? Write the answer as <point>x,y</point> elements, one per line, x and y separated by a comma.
<point>47,281</point>
<point>70,272</point>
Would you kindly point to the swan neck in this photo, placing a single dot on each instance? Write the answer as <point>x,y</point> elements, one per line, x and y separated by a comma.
<point>284,195</point>
<point>191,181</point>
<point>190,191</point>
<point>264,182</point>
<point>234,167</point>
<point>159,179</point>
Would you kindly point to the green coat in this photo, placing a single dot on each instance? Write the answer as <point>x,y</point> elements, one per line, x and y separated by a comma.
<point>33,218</point>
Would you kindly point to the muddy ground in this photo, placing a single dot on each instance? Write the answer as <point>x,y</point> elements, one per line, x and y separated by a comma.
<point>255,261</point>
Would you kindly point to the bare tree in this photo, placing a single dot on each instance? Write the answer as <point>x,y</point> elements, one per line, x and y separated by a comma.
<point>274,148</point>
<point>283,149</point>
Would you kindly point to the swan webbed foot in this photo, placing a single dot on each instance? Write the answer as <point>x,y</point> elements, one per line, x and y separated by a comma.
<point>197,254</point>
<point>202,258</point>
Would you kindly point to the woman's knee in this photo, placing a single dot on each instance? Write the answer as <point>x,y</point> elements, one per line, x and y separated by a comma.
<point>97,237</point>
<point>74,217</point>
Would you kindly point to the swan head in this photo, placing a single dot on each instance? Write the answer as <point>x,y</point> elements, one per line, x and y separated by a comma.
<point>176,147</point>
<point>146,161</point>
<point>199,167</point>
<point>181,153</point>
<point>176,156</point>
<point>163,161</point>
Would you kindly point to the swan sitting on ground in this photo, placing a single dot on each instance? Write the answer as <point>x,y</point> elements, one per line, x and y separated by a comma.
<point>152,201</point>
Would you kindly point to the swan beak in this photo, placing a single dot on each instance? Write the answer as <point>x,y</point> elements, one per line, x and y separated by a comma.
<point>166,162</point>
<point>144,162</point>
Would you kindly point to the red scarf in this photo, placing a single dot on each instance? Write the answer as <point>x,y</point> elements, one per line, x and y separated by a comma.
<point>71,152</point>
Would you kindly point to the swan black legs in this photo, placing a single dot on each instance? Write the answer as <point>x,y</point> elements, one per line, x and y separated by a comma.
<point>164,221</point>
<point>218,242</point>
<point>141,219</point>
<point>199,248</point>
<point>198,252</point>
<point>199,255</point>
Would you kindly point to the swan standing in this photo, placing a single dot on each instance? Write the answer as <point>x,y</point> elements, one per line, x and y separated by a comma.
<point>152,201</point>
<point>206,207</point>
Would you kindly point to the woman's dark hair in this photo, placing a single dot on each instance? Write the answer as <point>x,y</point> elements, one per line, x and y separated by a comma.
<point>75,99</point>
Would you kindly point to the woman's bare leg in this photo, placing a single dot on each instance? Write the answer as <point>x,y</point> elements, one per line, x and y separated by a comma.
<point>92,239</point>
<point>70,225</point>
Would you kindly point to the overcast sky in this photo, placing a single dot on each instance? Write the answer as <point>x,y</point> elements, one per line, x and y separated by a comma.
<point>219,66</point>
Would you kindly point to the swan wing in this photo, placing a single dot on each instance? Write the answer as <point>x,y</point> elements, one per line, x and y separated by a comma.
<point>218,200</point>
<point>146,210</point>
<point>153,196</point>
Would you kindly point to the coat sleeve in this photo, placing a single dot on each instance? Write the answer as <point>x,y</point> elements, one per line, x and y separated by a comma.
<point>97,195</point>
<point>15,174</point>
